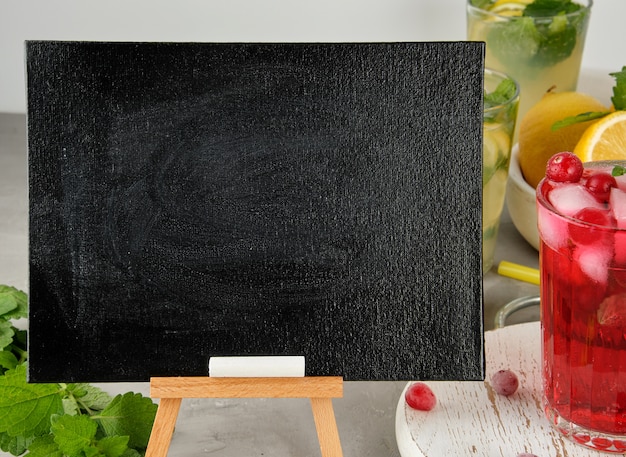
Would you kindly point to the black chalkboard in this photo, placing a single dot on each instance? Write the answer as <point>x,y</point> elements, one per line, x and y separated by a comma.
<point>191,200</point>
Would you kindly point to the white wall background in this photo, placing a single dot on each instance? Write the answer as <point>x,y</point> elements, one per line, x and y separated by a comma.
<point>263,20</point>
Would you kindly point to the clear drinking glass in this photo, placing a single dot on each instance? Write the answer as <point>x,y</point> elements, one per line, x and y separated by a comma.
<point>538,51</point>
<point>583,312</point>
<point>498,128</point>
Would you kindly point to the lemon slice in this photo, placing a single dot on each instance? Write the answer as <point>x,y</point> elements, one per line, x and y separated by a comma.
<point>509,7</point>
<point>516,4</point>
<point>604,139</point>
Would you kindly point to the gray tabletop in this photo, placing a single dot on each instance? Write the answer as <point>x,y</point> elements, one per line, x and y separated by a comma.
<point>283,427</point>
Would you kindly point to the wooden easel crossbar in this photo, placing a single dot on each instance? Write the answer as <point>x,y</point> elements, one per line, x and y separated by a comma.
<point>171,390</point>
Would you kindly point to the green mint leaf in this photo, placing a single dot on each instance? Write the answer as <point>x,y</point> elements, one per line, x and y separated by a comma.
<point>131,453</point>
<point>6,304</point>
<point>129,415</point>
<point>619,90</point>
<point>490,232</point>
<point>25,409</point>
<point>482,4</point>
<point>503,93</point>
<point>73,434</point>
<point>44,446</point>
<point>70,406</point>
<point>8,361</point>
<point>15,445</point>
<point>13,303</point>
<point>525,42</point>
<point>20,338</point>
<point>547,8</point>
<point>582,117</point>
<point>6,334</point>
<point>618,99</point>
<point>113,446</point>
<point>618,171</point>
<point>501,163</point>
<point>83,398</point>
<point>558,40</point>
<point>93,398</point>
<point>515,42</point>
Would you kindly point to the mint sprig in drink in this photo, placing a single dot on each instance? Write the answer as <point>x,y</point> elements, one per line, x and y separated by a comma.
<point>582,228</point>
<point>501,99</point>
<point>538,43</point>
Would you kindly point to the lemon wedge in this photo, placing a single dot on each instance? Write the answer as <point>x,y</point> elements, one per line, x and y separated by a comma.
<point>605,139</point>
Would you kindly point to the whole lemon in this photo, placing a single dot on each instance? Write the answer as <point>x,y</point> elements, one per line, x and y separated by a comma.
<point>538,142</point>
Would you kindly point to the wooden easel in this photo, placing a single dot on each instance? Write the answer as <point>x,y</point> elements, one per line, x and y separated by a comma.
<point>171,391</point>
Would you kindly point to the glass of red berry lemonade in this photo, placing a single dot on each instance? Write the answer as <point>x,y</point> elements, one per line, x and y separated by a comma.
<point>582,230</point>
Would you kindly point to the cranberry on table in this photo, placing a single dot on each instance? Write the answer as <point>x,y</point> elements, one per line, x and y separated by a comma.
<point>564,167</point>
<point>504,382</point>
<point>420,396</point>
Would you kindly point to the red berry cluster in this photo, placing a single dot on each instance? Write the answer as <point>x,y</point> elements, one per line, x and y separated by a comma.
<point>566,167</point>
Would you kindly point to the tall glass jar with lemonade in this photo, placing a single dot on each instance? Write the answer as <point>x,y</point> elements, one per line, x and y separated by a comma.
<point>500,112</point>
<point>539,43</point>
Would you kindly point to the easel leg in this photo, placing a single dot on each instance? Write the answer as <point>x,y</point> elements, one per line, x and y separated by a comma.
<point>163,427</point>
<point>326,425</point>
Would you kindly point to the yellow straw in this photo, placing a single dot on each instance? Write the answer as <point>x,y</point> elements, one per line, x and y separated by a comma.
<point>519,272</point>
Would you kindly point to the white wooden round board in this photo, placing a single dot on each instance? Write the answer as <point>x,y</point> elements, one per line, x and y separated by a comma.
<point>470,419</point>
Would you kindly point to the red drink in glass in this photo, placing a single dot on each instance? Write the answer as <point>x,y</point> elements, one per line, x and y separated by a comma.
<point>583,307</point>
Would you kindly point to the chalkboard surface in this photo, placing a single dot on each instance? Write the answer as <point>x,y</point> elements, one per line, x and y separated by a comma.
<point>192,200</point>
